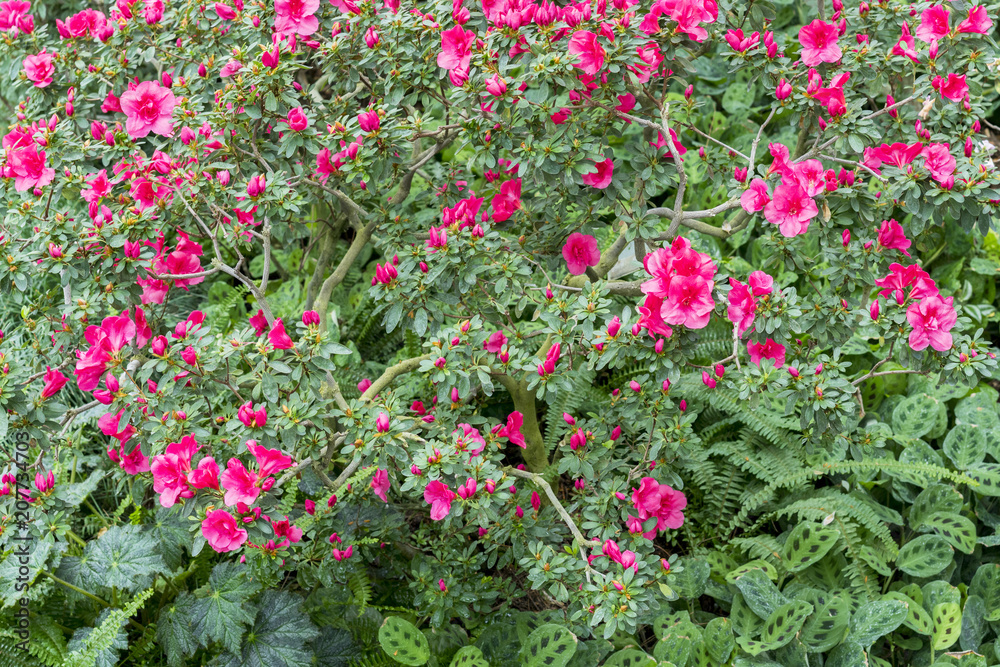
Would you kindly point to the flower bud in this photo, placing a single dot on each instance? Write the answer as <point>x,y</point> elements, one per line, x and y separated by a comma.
<point>873,310</point>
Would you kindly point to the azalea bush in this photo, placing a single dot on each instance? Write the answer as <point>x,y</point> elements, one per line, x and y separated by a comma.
<point>363,333</point>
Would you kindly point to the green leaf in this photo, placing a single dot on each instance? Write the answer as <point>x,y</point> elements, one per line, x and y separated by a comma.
<point>74,494</point>
<point>914,417</point>
<point>677,641</point>
<point>917,618</point>
<point>947,625</point>
<point>848,654</point>
<point>957,529</point>
<point>876,619</point>
<point>335,647</point>
<point>469,656</point>
<point>934,498</point>
<point>690,582</point>
<point>745,622</point>
<point>550,645</point>
<point>719,640</point>
<point>221,611</point>
<point>278,636</point>
<point>760,594</point>
<point>174,631</point>
<point>986,584</point>
<point>123,557</point>
<point>925,556</point>
<point>403,642</point>
<point>973,623</point>
<point>11,590</point>
<point>988,476</point>
<point>781,626</point>
<point>827,626</point>
<point>629,657</point>
<point>807,544</point>
<point>768,569</point>
<point>965,446</point>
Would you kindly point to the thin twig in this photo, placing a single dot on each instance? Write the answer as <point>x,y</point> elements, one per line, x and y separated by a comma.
<point>567,519</point>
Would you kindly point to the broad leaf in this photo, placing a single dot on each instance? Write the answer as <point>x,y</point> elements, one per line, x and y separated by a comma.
<point>965,446</point>
<point>925,556</point>
<point>807,543</point>
<point>947,625</point>
<point>279,636</point>
<point>549,646</point>
<point>174,631</point>
<point>876,619</point>
<point>957,529</point>
<point>124,557</point>
<point>221,612</point>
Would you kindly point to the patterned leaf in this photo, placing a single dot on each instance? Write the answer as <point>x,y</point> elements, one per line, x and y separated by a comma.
<point>947,625</point>
<point>745,622</point>
<point>986,585</point>
<point>876,619</point>
<point>768,569</point>
<point>469,656</point>
<point>221,612</point>
<point>807,543</point>
<point>827,626</point>
<point>677,643</point>
<point>917,618</point>
<point>781,626</point>
<point>934,498</point>
<point>965,446</point>
<point>848,654</point>
<point>915,416</point>
<point>549,646</point>
<point>629,657</point>
<point>988,476</point>
<point>760,593</point>
<point>690,582</point>
<point>719,640</point>
<point>925,556</point>
<point>957,529</point>
<point>403,641</point>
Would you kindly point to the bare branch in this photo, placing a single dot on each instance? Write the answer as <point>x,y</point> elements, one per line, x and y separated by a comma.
<point>567,519</point>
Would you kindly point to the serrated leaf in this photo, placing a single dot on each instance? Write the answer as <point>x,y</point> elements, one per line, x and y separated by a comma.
<point>12,578</point>
<point>917,618</point>
<point>174,631</point>
<point>550,645</point>
<point>957,529</point>
<point>925,556</point>
<point>403,642</point>
<point>876,619</point>
<point>335,647</point>
<point>74,494</point>
<point>947,625</point>
<point>807,543</point>
<point>965,446</point>
<point>222,614</point>
<point>279,634</point>
<point>124,557</point>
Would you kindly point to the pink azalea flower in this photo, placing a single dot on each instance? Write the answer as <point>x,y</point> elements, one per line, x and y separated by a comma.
<point>761,283</point>
<point>939,161</point>
<point>439,496</point>
<point>689,302</point>
<point>259,323</point>
<point>742,306</point>
<point>507,200</point>
<point>905,45</point>
<point>230,68</point>
<point>222,532</point>
<point>651,316</point>
<point>239,483</point>
<point>978,22</point>
<point>134,462</point>
<point>206,475</point>
<point>456,48</point>
<point>600,178</point>
<point>819,43</point>
<point>269,461</point>
<point>659,500</point>
<point>170,471</point>
<point>27,165</point>
<point>931,318</point>
<point>580,251</point>
<point>791,209</point>
<point>898,154</point>
<point>910,277</point>
<point>105,341</point>
<point>512,431</point>
<point>278,338</point>
<point>380,484</point>
<point>769,349</point>
<point>494,344</point>
<point>891,235</point>
<point>589,53</point>
<point>148,108</point>
<point>54,381</point>
<point>953,88</point>
<point>756,197</point>
<point>296,16</point>
<point>297,120</point>
<point>285,530</point>
<point>39,69</point>
<point>933,24</point>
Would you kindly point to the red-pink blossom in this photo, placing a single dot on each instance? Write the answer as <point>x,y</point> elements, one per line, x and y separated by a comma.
<point>170,471</point>
<point>250,418</point>
<point>756,197</point>
<point>494,344</point>
<point>931,318</point>
<point>296,16</point>
<point>742,306</point>
<point>580,251</point>
<point>588,51</point>
<point>297,120</point>
<point>791,209</point>
<point>456,48</point>
<point>439,497</point>
<point>939,161</point>
<point>239,483</point>
<point>769,349</point>
<point>902,278</point>
<point>269,461</point>
<point>39,68</point>
<point>222,532</point>
<point>662,501</point>
<point>148,108</point>
<point>54,381</point>
<point>933,24</point>
<point>380,484</point>
<point>512,430</point>
<point>27,166</point>
<point>978,22</point>
<point>891,235</point>
<point>600,178</point>
<point>206,475</point>
<point>506,201</point>
<point>952,88</point>
<point>279,339</point>
<point>819,43</point>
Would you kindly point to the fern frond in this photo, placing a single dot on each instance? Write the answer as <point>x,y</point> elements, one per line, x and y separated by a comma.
<point>361,589</point>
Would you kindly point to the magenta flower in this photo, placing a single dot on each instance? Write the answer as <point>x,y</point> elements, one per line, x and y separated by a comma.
<point>54,381</point>
<point>600,178</point>
<point>819,43</point>
<point>239,483</point>
<point>791,209</point>
<point>278,338</point>
<point>512,431</point>
<point>891,235</point>
<point>148,108</point>
<point>933,24</point>
<point>507,200</point>
<point>296,16</point>
<point>953,88</point>
<point>589,53</point>
<point>939,161</point>
<point>27,166</point>
<point>659,500</point>
<point>742,306</point>
<point>259,323</point>
<point>250,418</point>
<point>456,48</point>
<point>580,251</point>
<point>380,484</point>
<point>978,22</point>
<point>382,423</point>
<point>170,471</point>
<point>495,342</point>
<point>756,197</point>
<point>931,318</point>
<point>269,461</point>
<point>297,119</point>
<point>39,69</point>
<point>206,475</point>
<point>439,496</point>
<point>222,532</point>
<point>769,349</point>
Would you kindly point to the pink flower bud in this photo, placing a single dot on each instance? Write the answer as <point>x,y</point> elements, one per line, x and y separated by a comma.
<point>794,372</point>
<point>845,237</point>
<point>442,586</point>
<point>440,362</point>
<point>364,385</point>
<point>382,423</point>
<point>658,347</point>
<point>819,368</point>
<point>636,329</point>
<point>968,147</point>
<point>783,91</point>
<point>519,512</point>
<point>873,310</point>
<point>536,501</point>
<point>635,386</point>
<point>720,370</point>
<point>613,327</point>
<point>616,433</point>
<point>688,92</point>
<point>158,345</point>
<point>491,486</point>
<point>707,380</point>
<point>310,318</point>
<point>683,405</point>
<point>55,251</point>
<point>568,418</point>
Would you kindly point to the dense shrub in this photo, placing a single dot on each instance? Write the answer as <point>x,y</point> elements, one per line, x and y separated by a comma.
<point>502,333</point>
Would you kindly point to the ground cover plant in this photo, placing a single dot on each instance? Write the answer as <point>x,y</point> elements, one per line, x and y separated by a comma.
<point>453,333</point>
